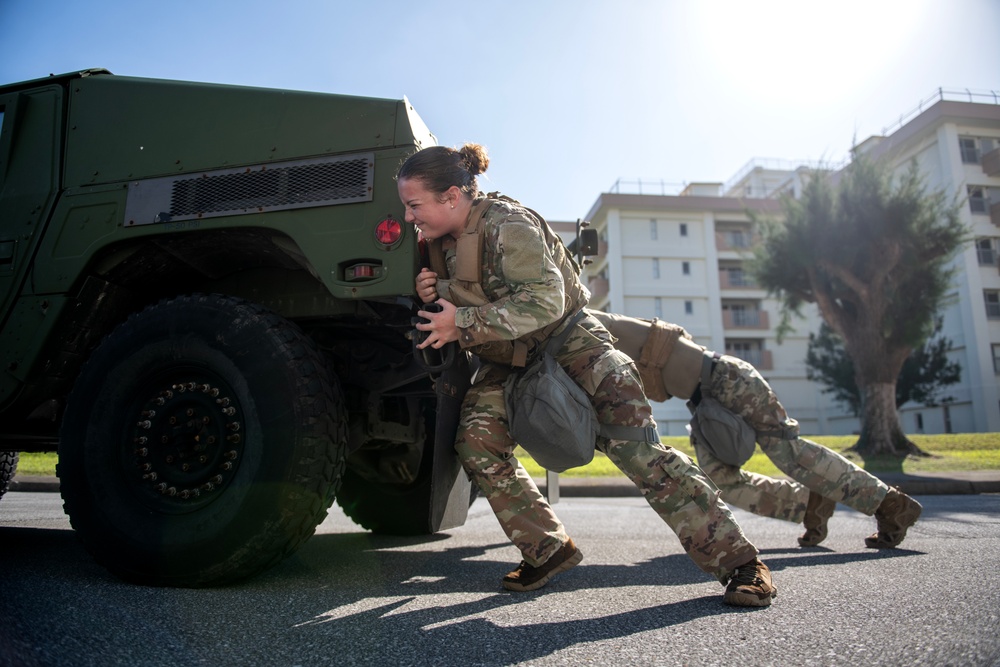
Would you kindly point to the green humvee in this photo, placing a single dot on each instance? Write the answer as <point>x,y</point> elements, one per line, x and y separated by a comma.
<point>206,304</point>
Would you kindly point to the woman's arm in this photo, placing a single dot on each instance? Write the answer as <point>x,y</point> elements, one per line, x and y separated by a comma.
<point>521,273</point>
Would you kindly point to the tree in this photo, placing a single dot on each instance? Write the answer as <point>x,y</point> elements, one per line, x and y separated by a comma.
<point>873,253</point>
<point>925,373</point>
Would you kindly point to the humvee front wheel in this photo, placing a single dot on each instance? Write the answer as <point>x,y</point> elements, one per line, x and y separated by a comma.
<point>202,443</point>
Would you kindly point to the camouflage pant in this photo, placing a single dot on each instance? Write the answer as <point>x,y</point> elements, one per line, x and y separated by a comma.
<point>738,386</point>
<point>673,485</point>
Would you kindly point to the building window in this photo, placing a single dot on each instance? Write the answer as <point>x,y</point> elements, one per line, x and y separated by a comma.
<point>947,420</point>
<point>750,351</point>
<point>996,358</point>
<point>970,149</point>
<point>920,423</point>
<point>738,277</point>
<point>986,251</point>
<point>992,298</point>
<point>684,229</point>
<point>689,307</point>
<point>656,268</point>
<point>978,203</point>
<point>735,238</point>
<point>658,307</point>
<point>653,233</point>
<point>686,268</point>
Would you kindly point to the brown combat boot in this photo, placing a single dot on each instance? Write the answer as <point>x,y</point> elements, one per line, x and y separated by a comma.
<point>897,512</point>
<point>528,578</point>
<point>818,512</point>
<point>750,586</point>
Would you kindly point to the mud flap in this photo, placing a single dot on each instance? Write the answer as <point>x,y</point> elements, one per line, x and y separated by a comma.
<point>450,486</point>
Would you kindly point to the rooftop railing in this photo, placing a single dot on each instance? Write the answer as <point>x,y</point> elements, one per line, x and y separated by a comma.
<point>942,95</point>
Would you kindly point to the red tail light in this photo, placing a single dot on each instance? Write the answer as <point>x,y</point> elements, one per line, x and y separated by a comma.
<point>388,231</point>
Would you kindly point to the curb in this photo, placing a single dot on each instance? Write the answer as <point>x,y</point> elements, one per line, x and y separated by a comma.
<point>33,483</point>
<point>925,484</point>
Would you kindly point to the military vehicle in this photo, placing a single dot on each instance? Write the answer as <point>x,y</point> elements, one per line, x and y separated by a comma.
<point>206,308</point>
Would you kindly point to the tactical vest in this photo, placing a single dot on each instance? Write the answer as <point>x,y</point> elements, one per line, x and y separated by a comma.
<point>465,289</point>
<point>668,360</point>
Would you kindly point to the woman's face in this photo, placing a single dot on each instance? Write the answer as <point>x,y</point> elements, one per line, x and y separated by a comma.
<point>434,215</point>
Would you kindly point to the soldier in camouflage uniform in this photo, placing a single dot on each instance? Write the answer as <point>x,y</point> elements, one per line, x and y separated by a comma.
<point>669,364</point>
<point>505,284</point>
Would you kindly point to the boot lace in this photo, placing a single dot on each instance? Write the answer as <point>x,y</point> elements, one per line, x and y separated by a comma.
<point>746,575</point>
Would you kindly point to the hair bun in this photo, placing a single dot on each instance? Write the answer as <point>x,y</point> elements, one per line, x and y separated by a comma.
<point>475,158</point>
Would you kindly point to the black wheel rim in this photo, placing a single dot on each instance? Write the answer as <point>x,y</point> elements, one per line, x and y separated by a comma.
<point>183,439</point>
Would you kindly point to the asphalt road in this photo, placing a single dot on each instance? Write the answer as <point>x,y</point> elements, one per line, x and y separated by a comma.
<point>350,598</point>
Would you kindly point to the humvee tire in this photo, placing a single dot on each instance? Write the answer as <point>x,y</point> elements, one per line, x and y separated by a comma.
<point>202,443</point>
<point>8,466</point>
<point>388,509</point>
<point>385,508</point>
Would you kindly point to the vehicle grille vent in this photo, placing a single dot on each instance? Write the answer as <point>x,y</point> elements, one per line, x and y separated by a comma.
<point>325,181</point>
<point>343,181</point>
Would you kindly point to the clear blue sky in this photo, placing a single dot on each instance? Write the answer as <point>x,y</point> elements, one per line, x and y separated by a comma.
<point>568,96</point>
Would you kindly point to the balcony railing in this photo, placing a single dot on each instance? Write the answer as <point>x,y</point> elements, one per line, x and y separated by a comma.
<point>734,240</point>
<point>736,280</point>
<point>762,360</point>
<point>745,319</point>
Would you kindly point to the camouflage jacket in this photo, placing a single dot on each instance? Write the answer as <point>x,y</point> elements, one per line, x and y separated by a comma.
<point>527,283</point>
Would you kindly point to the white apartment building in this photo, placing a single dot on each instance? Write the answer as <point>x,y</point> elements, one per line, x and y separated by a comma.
<point>681,258</point>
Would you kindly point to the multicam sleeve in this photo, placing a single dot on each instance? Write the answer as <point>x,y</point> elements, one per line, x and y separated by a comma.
<point>522,278</point>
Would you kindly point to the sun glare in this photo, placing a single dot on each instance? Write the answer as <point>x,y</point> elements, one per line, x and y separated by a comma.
<point>809,49</point>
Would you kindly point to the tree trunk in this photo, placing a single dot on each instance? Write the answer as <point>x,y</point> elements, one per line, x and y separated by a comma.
<point>881,432</point>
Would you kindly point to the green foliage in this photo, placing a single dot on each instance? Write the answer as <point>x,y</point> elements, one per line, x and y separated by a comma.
<point>864,245</point>
<point>925,374</point>
<point>872,250</point>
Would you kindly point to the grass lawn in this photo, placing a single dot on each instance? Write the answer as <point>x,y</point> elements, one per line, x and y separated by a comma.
<point>949,453</point>
<point>952,452</point>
